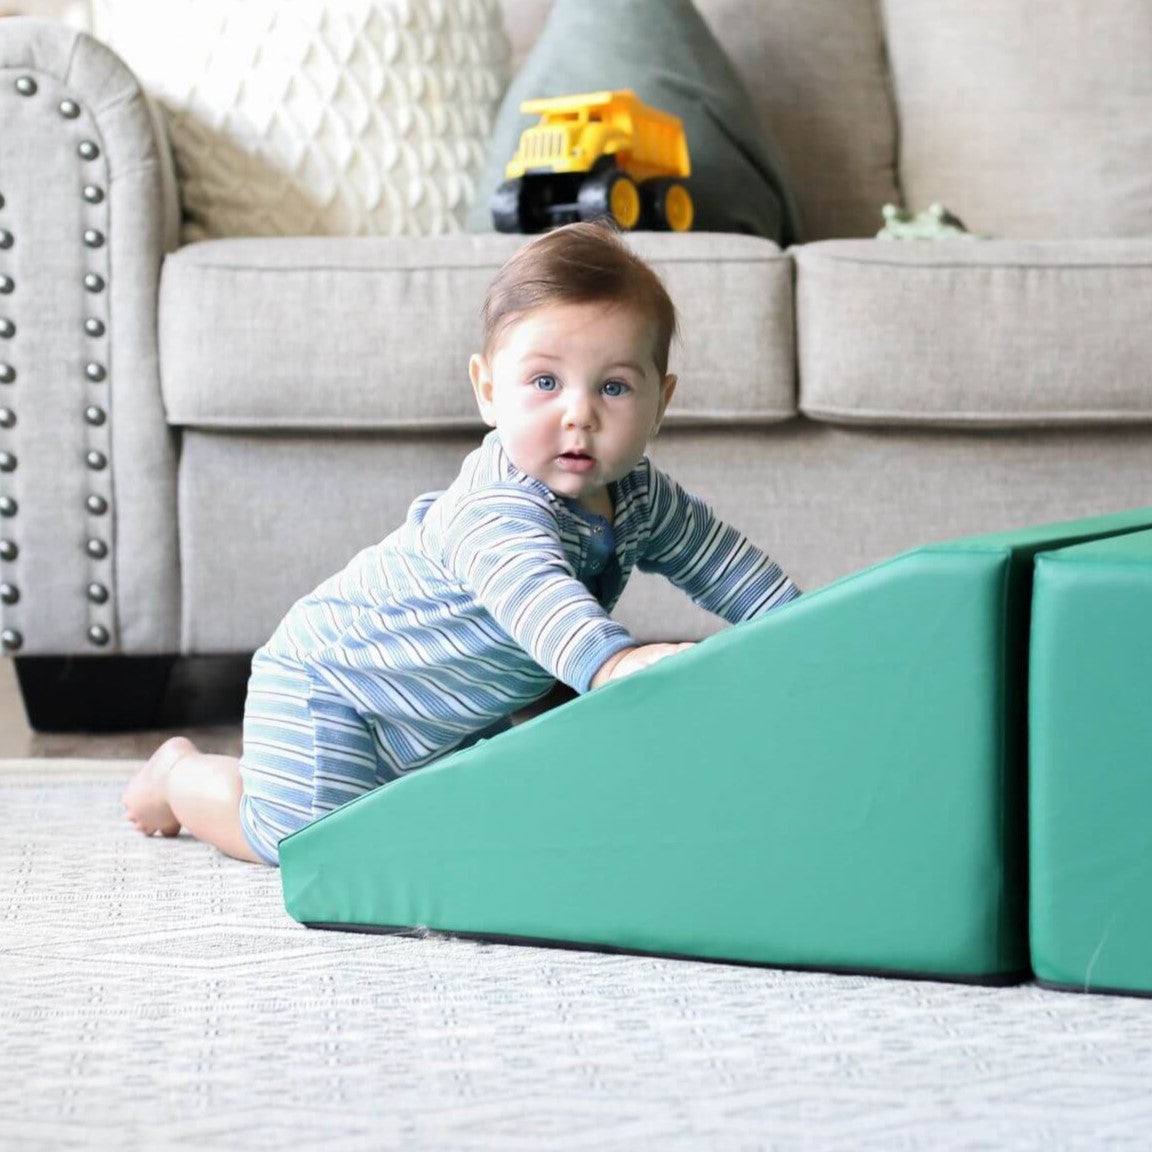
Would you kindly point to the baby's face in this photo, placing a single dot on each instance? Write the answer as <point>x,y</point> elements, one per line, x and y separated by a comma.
<point>575,395</point>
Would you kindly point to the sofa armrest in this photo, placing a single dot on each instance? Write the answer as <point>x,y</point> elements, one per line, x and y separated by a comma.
<point>89,559</point>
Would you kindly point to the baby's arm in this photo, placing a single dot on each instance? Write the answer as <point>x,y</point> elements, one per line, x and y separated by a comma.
<point>505,545</point>
<point>713,562</point>
<point>630,660</point>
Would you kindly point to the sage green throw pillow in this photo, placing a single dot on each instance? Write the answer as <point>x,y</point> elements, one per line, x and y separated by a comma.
<point>664,52</point>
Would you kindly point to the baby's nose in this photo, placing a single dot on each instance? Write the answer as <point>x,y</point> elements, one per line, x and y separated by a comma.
<point>579,414</point>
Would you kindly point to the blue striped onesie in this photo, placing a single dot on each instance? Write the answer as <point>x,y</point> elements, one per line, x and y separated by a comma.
<point>487,594</point>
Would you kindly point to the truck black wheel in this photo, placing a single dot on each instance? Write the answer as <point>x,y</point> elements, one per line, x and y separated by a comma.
<point>516,206</point>
<point>668,205</point>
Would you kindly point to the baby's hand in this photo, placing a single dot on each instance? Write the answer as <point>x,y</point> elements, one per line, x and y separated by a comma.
<point>633,659</point>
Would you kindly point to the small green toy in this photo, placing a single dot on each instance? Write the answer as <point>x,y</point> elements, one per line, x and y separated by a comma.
<point>936,223</point>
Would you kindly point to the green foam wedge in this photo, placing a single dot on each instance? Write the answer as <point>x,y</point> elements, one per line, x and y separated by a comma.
<point>839,784</point>
<point>1091,766</point>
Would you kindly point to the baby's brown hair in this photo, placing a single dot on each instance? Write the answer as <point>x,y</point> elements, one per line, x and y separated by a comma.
<point>581,263</point>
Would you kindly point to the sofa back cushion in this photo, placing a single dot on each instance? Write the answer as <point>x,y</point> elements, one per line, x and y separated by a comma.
<point>1030,120</point>
<point>816,77</point>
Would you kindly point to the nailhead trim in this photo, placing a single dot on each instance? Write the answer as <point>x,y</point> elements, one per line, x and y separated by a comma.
<point>98,503</point>
<point>11,639</point>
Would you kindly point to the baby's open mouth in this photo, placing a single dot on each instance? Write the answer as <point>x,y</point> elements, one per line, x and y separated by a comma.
<point>575,461</point>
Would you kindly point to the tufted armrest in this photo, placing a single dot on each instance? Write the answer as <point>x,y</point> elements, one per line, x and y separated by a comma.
<point>88,209</point>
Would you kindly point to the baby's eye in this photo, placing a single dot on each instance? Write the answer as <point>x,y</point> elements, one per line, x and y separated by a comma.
<point>545,383</point>
<point>615,388</point>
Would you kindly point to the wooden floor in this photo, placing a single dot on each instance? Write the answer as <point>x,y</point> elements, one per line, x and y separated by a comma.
<point>205,704</point>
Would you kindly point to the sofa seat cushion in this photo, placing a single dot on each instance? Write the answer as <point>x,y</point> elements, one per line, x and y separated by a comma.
<point>375,332</point>
<point>975,333</point>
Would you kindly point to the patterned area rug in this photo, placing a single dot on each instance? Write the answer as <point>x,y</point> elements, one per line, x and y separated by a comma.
<point>156,995</point>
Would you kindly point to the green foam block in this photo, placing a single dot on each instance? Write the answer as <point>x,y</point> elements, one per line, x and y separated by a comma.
<point>1091,766</point>
<point>839,784</point>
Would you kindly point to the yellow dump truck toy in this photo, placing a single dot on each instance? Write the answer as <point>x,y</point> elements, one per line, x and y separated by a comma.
<point>592,155</point>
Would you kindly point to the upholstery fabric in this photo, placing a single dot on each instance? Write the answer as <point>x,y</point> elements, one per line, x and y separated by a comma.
<point>667,55</point>
<point>817,77</point>
<point>971,333</point>
<point>42,177</point>
<point>1030,120</point>
<point>350,117</point>
<point>375,333</point>
<point>823,501</point>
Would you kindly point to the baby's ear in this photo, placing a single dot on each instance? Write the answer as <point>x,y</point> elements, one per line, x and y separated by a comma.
<point>667,388</point>
<point>481,373</point>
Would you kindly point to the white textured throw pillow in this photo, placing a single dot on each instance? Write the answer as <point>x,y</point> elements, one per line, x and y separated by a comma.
<point>319,117</point>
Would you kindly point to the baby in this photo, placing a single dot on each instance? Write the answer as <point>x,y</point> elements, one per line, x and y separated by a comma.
<point>492,589</point>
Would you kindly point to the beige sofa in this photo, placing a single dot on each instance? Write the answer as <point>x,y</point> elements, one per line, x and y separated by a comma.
<point>194,436</point>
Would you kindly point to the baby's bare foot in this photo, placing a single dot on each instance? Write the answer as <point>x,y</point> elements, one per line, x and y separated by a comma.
<point>145,798</point>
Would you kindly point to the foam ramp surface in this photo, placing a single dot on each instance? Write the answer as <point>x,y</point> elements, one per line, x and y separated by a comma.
<point>1091,766</point>
<point>839,784</point>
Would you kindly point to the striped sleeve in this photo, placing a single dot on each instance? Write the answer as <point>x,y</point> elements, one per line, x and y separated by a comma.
<point>506,547</point>
<point>717,566</point>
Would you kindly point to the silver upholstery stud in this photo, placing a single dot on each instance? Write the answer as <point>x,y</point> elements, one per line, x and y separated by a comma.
<point>97,461</point>
<point>26,86</point>
<point>11,639</point>
<point>7,418</point>
<point>97,593</point>
<point>87,150</point>
<point>8,506</point>
<point>7,328</point>
<point>6,284</point>
<point>6,240</point>
<point>97,549</point>
<point>93,326</point>
<point>98,635</point>
<point>93,282</point>
<point>7,462</point>
<point>69,109</point>
<point>97,505</point>
<point>9,593</point>
<point>93,194</point>
<point>93,238</point>
<point>95,416</point>
<point>95,372</point>
<point>8,550</point>
<point>7,374</point>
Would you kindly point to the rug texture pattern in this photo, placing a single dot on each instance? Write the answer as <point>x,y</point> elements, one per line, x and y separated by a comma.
<point>154,994</point>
